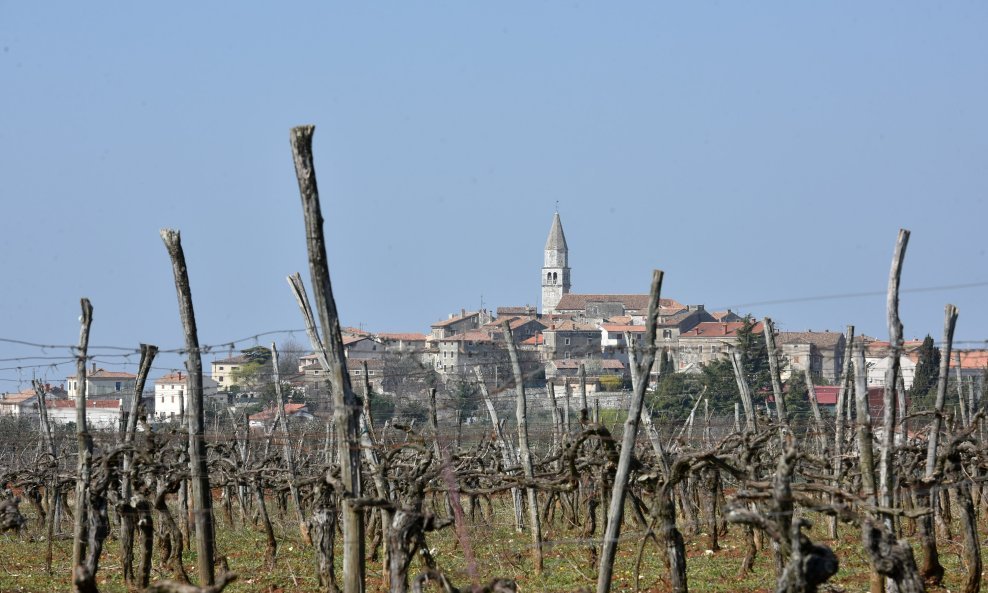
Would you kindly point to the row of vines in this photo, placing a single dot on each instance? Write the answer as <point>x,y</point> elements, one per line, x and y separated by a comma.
<point>378,493</point>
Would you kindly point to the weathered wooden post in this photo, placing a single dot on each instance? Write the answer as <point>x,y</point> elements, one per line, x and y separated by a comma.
<point>81,580</point>
<point>931,570</point>
<point>525,454</point>
<point>886,467</point>
<point>615,511</point>
<point>287,448</point>
<point>845,385</point>
<point>346,405</point>
<point>773,364</point>
<point>128,513</point>
<point>202,504</point>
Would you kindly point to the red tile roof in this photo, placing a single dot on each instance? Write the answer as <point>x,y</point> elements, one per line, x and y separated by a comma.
<point>90,403</point>
<point>17,398</point>
<point>104,374</point>
<point>826,339</point>
<point>454,319</point>
<point>173,377</point>
<point>971,359</point>
<point>404,337</point>
<point>634,302</point>
<point>572,326</point>
<point>536,340</point>
<point>272,412</point>
<point>717,329</point>
<point>469,336</point>
<point>619,328</point>
<point>232,360</point>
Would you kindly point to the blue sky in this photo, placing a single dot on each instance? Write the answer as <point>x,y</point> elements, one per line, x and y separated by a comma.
<point>754,152</point>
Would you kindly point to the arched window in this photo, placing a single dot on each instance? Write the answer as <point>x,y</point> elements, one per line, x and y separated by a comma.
<point>555,278</point>
<point>548,277</point>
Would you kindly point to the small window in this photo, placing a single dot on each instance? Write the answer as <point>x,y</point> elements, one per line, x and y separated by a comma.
<point>566,341</point>
<point>371,373</point>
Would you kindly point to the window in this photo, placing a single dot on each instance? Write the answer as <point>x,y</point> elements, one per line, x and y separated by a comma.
<point>589,341</point>
<point>667,334</point>
<point>566,341</point>
<point>220,378</point>
<point>371,373</point>
<point>221,368</point>
<point>118,385</point>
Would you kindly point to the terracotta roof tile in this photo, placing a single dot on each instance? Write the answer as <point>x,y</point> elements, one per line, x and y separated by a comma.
<point>105,374</point>
<point>634,302</point>
<point>405,337</point>
<point>454,319</point>
<point>826,339</point>
<point>717,329</point>
<point>111,404</point>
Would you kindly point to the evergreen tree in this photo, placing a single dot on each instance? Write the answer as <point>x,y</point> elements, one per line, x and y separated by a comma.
<point>754,356</point>
<point>927,374</point>
<point>797,398</point>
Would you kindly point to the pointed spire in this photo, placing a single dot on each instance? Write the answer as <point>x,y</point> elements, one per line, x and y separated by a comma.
<point>556,240</point>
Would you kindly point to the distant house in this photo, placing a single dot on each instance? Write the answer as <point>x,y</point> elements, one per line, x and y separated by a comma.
<point>21,404</point>
<point>826,397</point>
<point>101,383</point>
<point>267,417</point>
<point>822,353</point>
<point>362,347</point>
<point>171,394</point>
<point>572,339</point>
<point>566,373</point>
<point>878,359</point>
<point>101,414</point>
<point>457,324</point>
<point>411,343</point>
<point>604,306</point>
<point>222,370</point>
<point>707,342</point>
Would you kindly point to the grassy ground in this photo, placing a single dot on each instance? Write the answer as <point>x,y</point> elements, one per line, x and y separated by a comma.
<point>499,552</point>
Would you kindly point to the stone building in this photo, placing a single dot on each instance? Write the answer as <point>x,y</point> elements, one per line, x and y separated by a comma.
<point>822,353</point>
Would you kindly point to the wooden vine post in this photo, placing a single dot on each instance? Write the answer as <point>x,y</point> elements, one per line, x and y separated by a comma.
<point>886,470</point>
<point>346,406</point>
<point>773,364</point>
<point>202,504</point>
<point>129,515</point>
<point>615,511</point>
<point>931,570</point>
<point>525,454</point>
<point>82,581</point>
<point>845,386</point>
<point>286,440</point>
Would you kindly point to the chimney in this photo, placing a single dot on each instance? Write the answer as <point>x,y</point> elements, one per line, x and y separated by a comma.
<point>180,375</point>
<point>463,312</point>
<point>94,368</point>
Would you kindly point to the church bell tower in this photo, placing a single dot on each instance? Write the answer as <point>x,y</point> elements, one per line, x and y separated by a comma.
<point>555,268</point>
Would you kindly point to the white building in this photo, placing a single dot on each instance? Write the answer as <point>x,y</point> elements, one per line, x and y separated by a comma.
<point>171,391</point>
<point>24,403</point>
<point>101,383</point>
<point>101,414</point>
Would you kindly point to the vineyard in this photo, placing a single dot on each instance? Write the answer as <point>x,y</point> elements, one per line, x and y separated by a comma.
<point>555,497</point>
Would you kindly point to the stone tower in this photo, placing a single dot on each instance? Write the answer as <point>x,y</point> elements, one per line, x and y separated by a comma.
<point>555,268</point>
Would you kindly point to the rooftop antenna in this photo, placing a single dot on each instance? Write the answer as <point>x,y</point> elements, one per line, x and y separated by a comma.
<point>557,206</point>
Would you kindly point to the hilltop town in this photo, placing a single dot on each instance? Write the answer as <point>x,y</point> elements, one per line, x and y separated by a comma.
<point>573,342</point>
